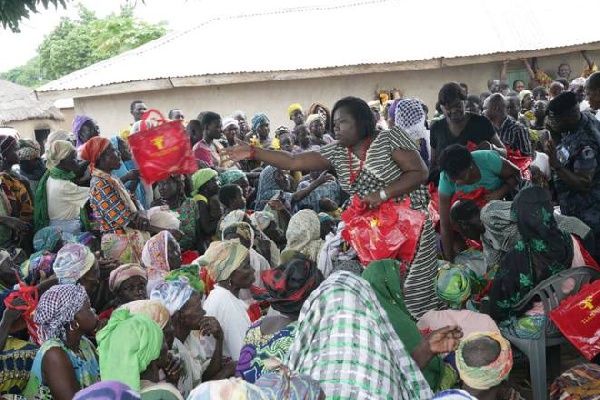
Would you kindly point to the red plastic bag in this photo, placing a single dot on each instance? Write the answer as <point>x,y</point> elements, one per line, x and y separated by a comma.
<point>578,318</point>
<point>30,296</point>
<point>391,231</point>
<point>162,150</point>
<point>521,161</point>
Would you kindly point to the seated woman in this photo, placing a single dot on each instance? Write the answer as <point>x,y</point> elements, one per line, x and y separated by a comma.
<point>84,129</point>
<point>107,389</point>
<point>343,327</point>
<point>330,189</point>
<point>384,277</point>
<point>304,235</point>
<point>127,283</point>
<point>543,251</point>
<point>266,223</point>
<point>46,243</point>
<point>129,174</point>
<point>236,177</point>
<point>232,198</point>
<point>76,264</point>
<point>131,350</point>
<point>191,329</point>
<point>228,264</point>
<point>124,231</point>
<point>172,193</point>
<point>205,187</point>
<point>287,287</point>
<point>67,198</point>
<point>161,254</point>
<point>316,126</point>
<point>16,205</point>
<point>481,175</point>
<point>66,362</point>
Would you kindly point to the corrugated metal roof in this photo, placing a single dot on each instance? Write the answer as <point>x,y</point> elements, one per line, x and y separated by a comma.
<point>337,34</point>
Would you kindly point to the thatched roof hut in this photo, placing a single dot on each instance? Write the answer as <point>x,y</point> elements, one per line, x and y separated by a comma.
<point>19,103</point>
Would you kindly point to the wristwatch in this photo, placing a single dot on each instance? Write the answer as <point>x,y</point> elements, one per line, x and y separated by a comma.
<point>383,195</point>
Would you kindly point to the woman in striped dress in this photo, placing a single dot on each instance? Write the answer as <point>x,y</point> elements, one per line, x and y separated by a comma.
<point>376,166</point>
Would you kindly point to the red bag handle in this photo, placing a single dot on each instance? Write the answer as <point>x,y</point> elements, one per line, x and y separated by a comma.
<point>146,116</point>
<point>29,294</point>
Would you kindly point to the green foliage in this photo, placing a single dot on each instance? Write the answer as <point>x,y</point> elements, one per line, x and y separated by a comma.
<point>13,11</point>
<point>26,75</point>
<point>76,44</point>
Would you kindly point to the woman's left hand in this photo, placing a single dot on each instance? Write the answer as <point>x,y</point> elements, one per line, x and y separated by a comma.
<point>372,201</point>
<point>444,340</point>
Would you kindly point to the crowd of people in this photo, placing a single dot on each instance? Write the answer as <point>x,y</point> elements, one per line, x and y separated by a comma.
<point>238,282</point>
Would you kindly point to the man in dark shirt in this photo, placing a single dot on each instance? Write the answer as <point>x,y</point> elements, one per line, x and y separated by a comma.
<point>514,135</point>
<point>573,153</point>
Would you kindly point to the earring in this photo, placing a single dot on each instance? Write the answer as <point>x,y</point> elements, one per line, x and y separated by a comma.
<point>76,325</point>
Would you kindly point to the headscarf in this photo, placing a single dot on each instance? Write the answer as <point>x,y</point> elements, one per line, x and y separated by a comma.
<point>454,394</point>
<point>29,149</point>
<point>411,117</point>
<point>124,272</point>
<point>107,390</point>
<point>290,284</point>
<point>232,388</point>
<point>173,294</point>
<point>304,234</point>
<point>153,309</point>
<point>454,285</point>
<point>156,251</point>
<point>345,341</point>
<point>262,219</point>
<point>56,309</point>
<point>231,175</point>
<point>6,142</point>
<point>57,151</point>
<point>72,262</point>
<point>59,135</point>
<point>191,272</point>
<point>258,120</point>
<point>292,109</point>
<point>232,217</point>
<point>77,124</point>
<point>524,93</point>
<point>127,345</point>
<point>39,262</point>
<point>200,177</point>
<point>93,148</point>
<point>313,117</point>
<point>384,278</point>
<point>222,258</point>
<point>267,187</point>
<point>241,229</point>
<point>487,376</point>
<point>229,122</point>
<point>393,109</point>
<point>286,385</point>
<point>47,238</point>
<point>579,382</point>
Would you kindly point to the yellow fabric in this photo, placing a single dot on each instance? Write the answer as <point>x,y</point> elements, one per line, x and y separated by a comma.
<point>293,108</point>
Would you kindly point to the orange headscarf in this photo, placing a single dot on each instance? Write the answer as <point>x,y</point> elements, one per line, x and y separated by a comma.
<point>92,149</point>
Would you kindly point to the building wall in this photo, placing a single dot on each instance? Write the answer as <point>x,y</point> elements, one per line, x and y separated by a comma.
<point>112,112</point>
<point>27,128</point>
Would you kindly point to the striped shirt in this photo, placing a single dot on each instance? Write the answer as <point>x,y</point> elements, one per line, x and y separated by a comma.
<point>515,136</point>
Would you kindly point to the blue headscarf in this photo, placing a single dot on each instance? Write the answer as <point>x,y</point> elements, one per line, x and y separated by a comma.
<point>267,188</point>
<point>258,119</point>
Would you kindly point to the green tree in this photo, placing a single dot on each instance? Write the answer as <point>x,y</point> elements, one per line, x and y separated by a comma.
<point>13,11</point>
<point>76,44</point>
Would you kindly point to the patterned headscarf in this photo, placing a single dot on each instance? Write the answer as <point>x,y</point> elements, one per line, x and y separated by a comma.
<point>151,308</point>
<point>6,142</point>
<point>285,385</point>
<point>313,117</point>
<point>488,376</point>
<point>222,258</point>
<point>156,251</point>
<point>293,108</point>
<point>93,148</point>
<point>393,109</point>
<point>77,124</point>
<point>173,294</point>
<point>73,261</point>
<point>191,272</point>
<point>232,388</point>
<point>40,262</point>
<point>411,117</point>
<point>454,394</point>
<point>241,229</point>
<point>290,284</point>
<point>124,272</point>
<point>47,238</point>
<point>200,177</point>
<point>59,135</point>
<point>29,149</point>
<point>454,284</point>
<point>262,219</point>
<point>304,234</point>
<point>57,151</point>
<point>232,217</point>
<point>127,345</point>
<point>258,120</point>
<point>107,390</point>
<point>231,175</point>
<point>56,309</point>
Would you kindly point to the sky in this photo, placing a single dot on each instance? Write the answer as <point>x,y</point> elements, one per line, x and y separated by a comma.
<point>18,48</point>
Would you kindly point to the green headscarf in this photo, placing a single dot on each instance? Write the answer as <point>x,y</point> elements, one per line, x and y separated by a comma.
<point>231,175</point>
<point>40,211</point>
<point>127,345</point>
<point>200,177</point>
<point>192,272</point>
<point>384,277</point>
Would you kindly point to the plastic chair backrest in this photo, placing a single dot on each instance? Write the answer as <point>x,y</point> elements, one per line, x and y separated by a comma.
<point>555,289</point>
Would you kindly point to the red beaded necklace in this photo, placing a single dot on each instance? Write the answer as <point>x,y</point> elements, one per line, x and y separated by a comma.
<point>354,175</point>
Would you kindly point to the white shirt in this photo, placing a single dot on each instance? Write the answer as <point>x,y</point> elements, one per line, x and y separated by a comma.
<point>232,314</point>
<point>65,199</point>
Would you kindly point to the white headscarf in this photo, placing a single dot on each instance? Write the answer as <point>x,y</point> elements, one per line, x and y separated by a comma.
<point>411,118</point>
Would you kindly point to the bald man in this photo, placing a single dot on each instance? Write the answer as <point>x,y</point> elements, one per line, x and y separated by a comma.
<point>512,133</point>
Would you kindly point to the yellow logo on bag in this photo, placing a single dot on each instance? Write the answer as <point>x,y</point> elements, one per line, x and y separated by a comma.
<point>586,304</point>
<point>158,142</point>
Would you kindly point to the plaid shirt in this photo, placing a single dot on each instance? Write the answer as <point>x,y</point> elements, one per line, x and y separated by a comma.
<point>515,136</point>
<point>329,190</point>
<point>110,211</point>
